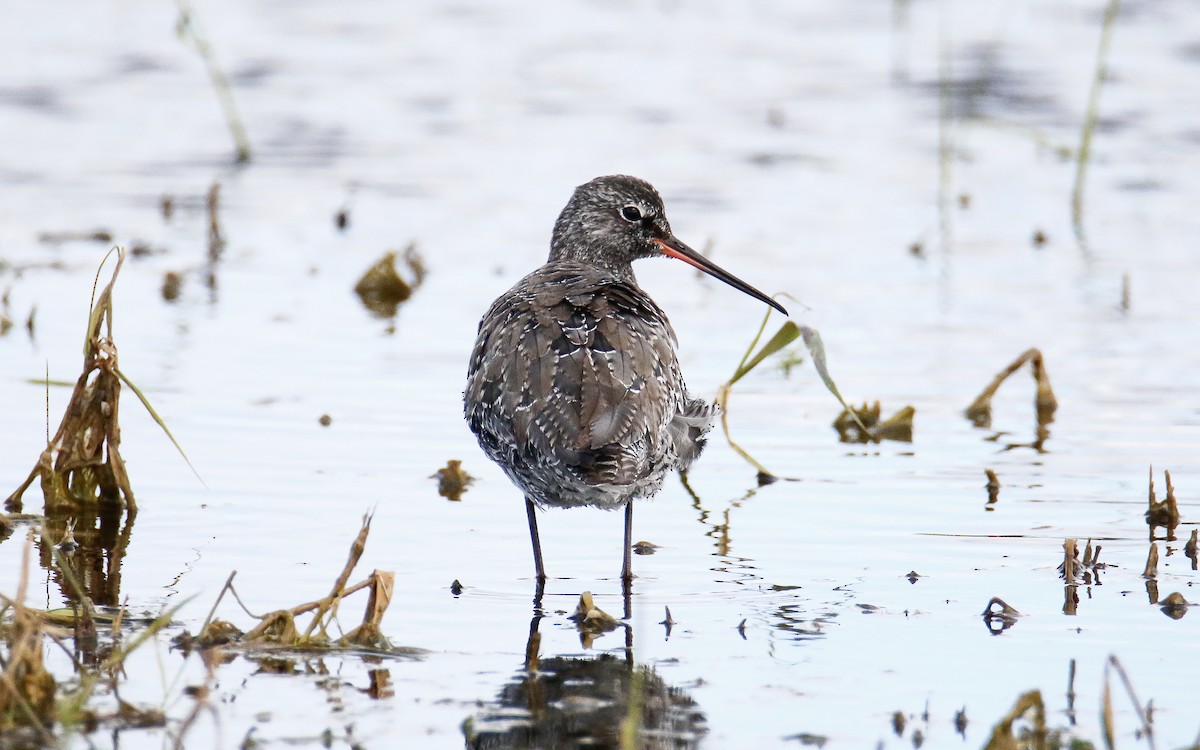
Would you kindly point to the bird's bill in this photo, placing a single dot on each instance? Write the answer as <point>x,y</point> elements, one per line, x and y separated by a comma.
<point>676,249</point>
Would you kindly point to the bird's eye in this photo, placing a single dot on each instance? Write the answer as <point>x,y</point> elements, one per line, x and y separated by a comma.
<point>631,213</point>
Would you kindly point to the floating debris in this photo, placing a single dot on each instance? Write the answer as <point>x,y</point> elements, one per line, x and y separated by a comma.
<point>1039,238</point>
<point>324,420</point>
<point>899,722</point>
<point>790,361</point>
<point>590,617</point>
<point>6,322</point>
<point>1190,549</point>
<point>591,621</point>
<point>667,622</point>
<point>452,480</point>
<point>171,285</point>
<point>645,548</point>
<point>382,289</point>
<point>980,410</point>
<point>993,487</point>
<point>809,740</point>
<point>999,616</point>
<point>216,242</point>
<point>1175,606</point>
<point>960,722</point>
<point>141,249</point>
<point>862,425</point>
<point>58,238</point>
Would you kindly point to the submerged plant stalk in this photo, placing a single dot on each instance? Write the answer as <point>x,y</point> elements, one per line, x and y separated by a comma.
<point>1091,117</point>
<point>220,82</point>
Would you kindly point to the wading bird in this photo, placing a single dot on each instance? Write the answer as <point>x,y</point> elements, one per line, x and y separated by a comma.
<point>574,386</point>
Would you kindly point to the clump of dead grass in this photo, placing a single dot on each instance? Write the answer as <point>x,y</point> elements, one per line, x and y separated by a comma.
<point>34,703</point>
<point>82,464</point>
<point>864,424</point>
<point>280,629</point>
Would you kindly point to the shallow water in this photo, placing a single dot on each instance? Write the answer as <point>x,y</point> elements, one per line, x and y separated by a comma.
<point>804,144</point>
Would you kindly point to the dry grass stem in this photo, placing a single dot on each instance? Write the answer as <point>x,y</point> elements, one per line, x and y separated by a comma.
<point>1151,569</point>
<point>993,486</point>
<point>1106,710</point>
<point>330,603</point>
<point>216,241</point>
<point>27,699</point>
<point>279,627</point>
<point>1070,560</point>
<point>1165,513</point>
<point>1004,738</point>
<point>980,410</point>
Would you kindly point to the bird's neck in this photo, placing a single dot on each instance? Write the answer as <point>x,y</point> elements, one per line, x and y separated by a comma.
<point>620,271</point>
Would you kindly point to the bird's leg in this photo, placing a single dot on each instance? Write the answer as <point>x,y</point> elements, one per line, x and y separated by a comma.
<point>626,567</point>
<point>530,511</point>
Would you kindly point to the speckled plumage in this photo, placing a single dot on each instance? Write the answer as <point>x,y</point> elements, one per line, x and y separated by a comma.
<point>574,386</point>
<point>574,389</point>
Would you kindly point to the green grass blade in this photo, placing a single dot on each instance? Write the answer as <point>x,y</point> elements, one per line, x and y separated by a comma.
<point>146,403</point>
<point>786,334</point>
<point>117,657</point>
<point>816,349</point>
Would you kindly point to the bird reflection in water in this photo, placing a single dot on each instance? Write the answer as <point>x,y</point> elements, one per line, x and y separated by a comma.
<point>582,701</point>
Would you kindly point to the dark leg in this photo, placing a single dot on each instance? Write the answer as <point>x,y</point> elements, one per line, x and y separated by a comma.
<point>627,567</point>
<point>531,510</point>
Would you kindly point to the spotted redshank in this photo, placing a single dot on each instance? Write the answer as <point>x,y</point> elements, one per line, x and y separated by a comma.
<point>574,386</point>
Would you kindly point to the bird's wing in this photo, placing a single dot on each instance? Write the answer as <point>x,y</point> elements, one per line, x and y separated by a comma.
<point>583,374</point>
